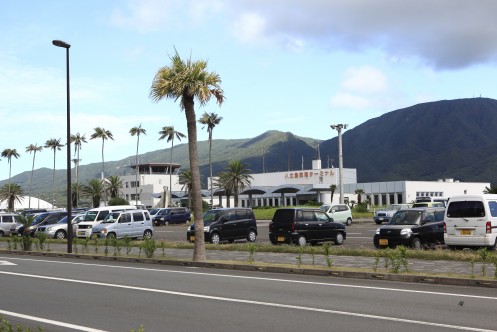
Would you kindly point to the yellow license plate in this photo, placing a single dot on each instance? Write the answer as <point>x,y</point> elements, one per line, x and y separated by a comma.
<point>81,233</point>
<point>192,238</point>
<point>466,232</point>
<point>383,242</point>
<point>281,239</point>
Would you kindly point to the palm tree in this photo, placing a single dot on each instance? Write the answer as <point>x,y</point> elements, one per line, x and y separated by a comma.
<point>75,190</point>
<point>11,192</point>
<point>55,145</point>
<point>113,186</point>
<point>189,80</point>
<point>32,148</point>
<point>185,179</point>
<point>137,131</point>
<point>78,140</point>
<point>333,187</point>
<point>210,120</point>
<point>220,183</point>
<point>94,190</point>
<point>169,133</point>
<point>9,153</point>
<point>104,135</point>
<point>235,177</point>
<point>359,193</point>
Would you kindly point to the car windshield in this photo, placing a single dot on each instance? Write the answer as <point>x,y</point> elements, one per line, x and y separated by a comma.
<point>212,215</point>
<point>407,217</point>
<point>393,207</point>
<point>111,218</point>
<point>90,215</point>
<point>38,219</point>
<point>324,208</point>
<point>53,221</point>
<point>154,211</point>
<point>163,212</point>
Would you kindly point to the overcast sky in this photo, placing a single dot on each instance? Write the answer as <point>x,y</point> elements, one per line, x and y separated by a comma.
<point>295,66</point>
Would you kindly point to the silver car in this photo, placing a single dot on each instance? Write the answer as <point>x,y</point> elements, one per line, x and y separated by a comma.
<point>59,230</point>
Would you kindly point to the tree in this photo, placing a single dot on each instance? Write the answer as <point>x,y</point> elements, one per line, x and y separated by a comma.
<point>359,193</point>
<point>78,140</point>
<point>32,148</point>
<point>104,135</point>
<point>169,133</point>
<point>235,178</point>
<point>94,190</point>
<point>11,192</point>
<point>333,187</point>
<point>210,120</point>
<point>113,185</point>
<point>9,153</point>
<point>185,179</point>
<point>227,191</point>
<point>491,190</point>
<point>55,145</point>
<point>137,131</point>
<point>189,80</point>
<point>76,189</point>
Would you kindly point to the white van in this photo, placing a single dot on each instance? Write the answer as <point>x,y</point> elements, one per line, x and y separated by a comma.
<point>95,216</point>
<point>471,221</point>
<point>118,224</point>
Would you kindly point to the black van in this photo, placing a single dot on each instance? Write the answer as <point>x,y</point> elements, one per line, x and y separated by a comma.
<point>302,226</point>
<point>228,224</point>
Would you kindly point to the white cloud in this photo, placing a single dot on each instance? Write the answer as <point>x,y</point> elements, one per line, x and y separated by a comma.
<point>365,79</point>
<point>144,15</point>
<point>346,100</point>
<point>250,28</point>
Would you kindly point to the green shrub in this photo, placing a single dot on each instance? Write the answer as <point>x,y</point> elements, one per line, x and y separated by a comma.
<point>149,247</point>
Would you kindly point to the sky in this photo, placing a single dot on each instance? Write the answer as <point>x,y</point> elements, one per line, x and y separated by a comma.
<point>288,65</point>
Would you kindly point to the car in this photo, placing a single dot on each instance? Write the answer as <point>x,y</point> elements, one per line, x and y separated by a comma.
<point>95,216</point>
<point>415,227</point>
<point>120,224</point>
<point>304,225</point>
<point>172,216</point>
<point>7,220</point>
<point>44,218</point>
<point>227,224</point>
<point>58,230</point>
<point>428,204</point>
<point>339,212</point>
<point>384,215</point>
<point>471,221</point>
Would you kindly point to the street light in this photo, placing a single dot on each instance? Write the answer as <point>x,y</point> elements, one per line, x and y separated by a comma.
<point>339,128</point>
<point>60,43</point>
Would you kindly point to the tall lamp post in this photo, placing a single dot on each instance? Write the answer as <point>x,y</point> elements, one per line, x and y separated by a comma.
<point>339,127</point>
<point>60,43</point>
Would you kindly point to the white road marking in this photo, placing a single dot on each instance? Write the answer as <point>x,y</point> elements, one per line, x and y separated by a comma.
<point>268,304</point>
<point>49,321</point>
<point>6,263</point>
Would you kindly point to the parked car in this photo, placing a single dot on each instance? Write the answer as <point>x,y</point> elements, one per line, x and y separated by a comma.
<point>339,212</point>
<point>58,230</point>
<point>172,216</point>
<point>415,227</point>
<point>95,216</point>
<point>7,220</point>
<point>227,224</point>
<point>471,221</point>
<point>131,223</point>
<point>384,215</point>
<point>44,218</point>
<point>302,226</point>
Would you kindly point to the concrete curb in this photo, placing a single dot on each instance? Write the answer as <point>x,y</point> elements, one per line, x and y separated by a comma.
<point>452,281</point>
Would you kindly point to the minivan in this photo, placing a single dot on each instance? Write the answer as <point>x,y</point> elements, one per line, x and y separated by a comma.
<point>471,221</point>
<point>7,220</point>
<point>119,224</point>
<point>95,216</point>
<point>227,224</point>
<point>339,212</point>
<point>172,216</point>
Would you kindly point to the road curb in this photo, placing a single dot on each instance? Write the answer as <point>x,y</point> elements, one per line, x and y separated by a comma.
<point>330,272</point>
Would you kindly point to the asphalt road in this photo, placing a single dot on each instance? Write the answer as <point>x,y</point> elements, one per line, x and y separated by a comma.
<point>95,296</point>
<point>359,235</point>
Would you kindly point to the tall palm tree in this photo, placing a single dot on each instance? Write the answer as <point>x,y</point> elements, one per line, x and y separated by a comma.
<point>220,183</point>
<point>113,185</point>
<point>236,177</point>
<point>11,192</point>
<point>95,189</point>
<point>185,179</point>
<point>189,80</point>
<point>169,133</point>
<point>32,148</point>
<point>210,120</point>
<point>9,153</point>
<point>333,187</point>
<point>137,131</point>
<point>104,135</point>
<point>55,145</point>
<point>78,140</point>
<point>359,193</point>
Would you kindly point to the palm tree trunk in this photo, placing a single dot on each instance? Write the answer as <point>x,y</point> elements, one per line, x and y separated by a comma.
<point>136,170</point>
<point>77,180</point>
<point>170,196</point>
<point>53,181</point>
<point>31,180</point>
<point>210,167</point>
<point>103,162</point>
<point>191,121</point>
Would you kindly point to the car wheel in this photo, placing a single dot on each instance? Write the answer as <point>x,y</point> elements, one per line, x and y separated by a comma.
<point>215,238</point>
<point>111,235</point>
<point>60,235</point>
<point>1,234</point>
<point>147,234</point>
<point>416,243</point>
<point>494,246</point>
<point>274,242</point>
<point>378,222</point>
<point>339,239</point>
<point>252,236</point>
<point>349,222</point>
<point>302,241</point>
